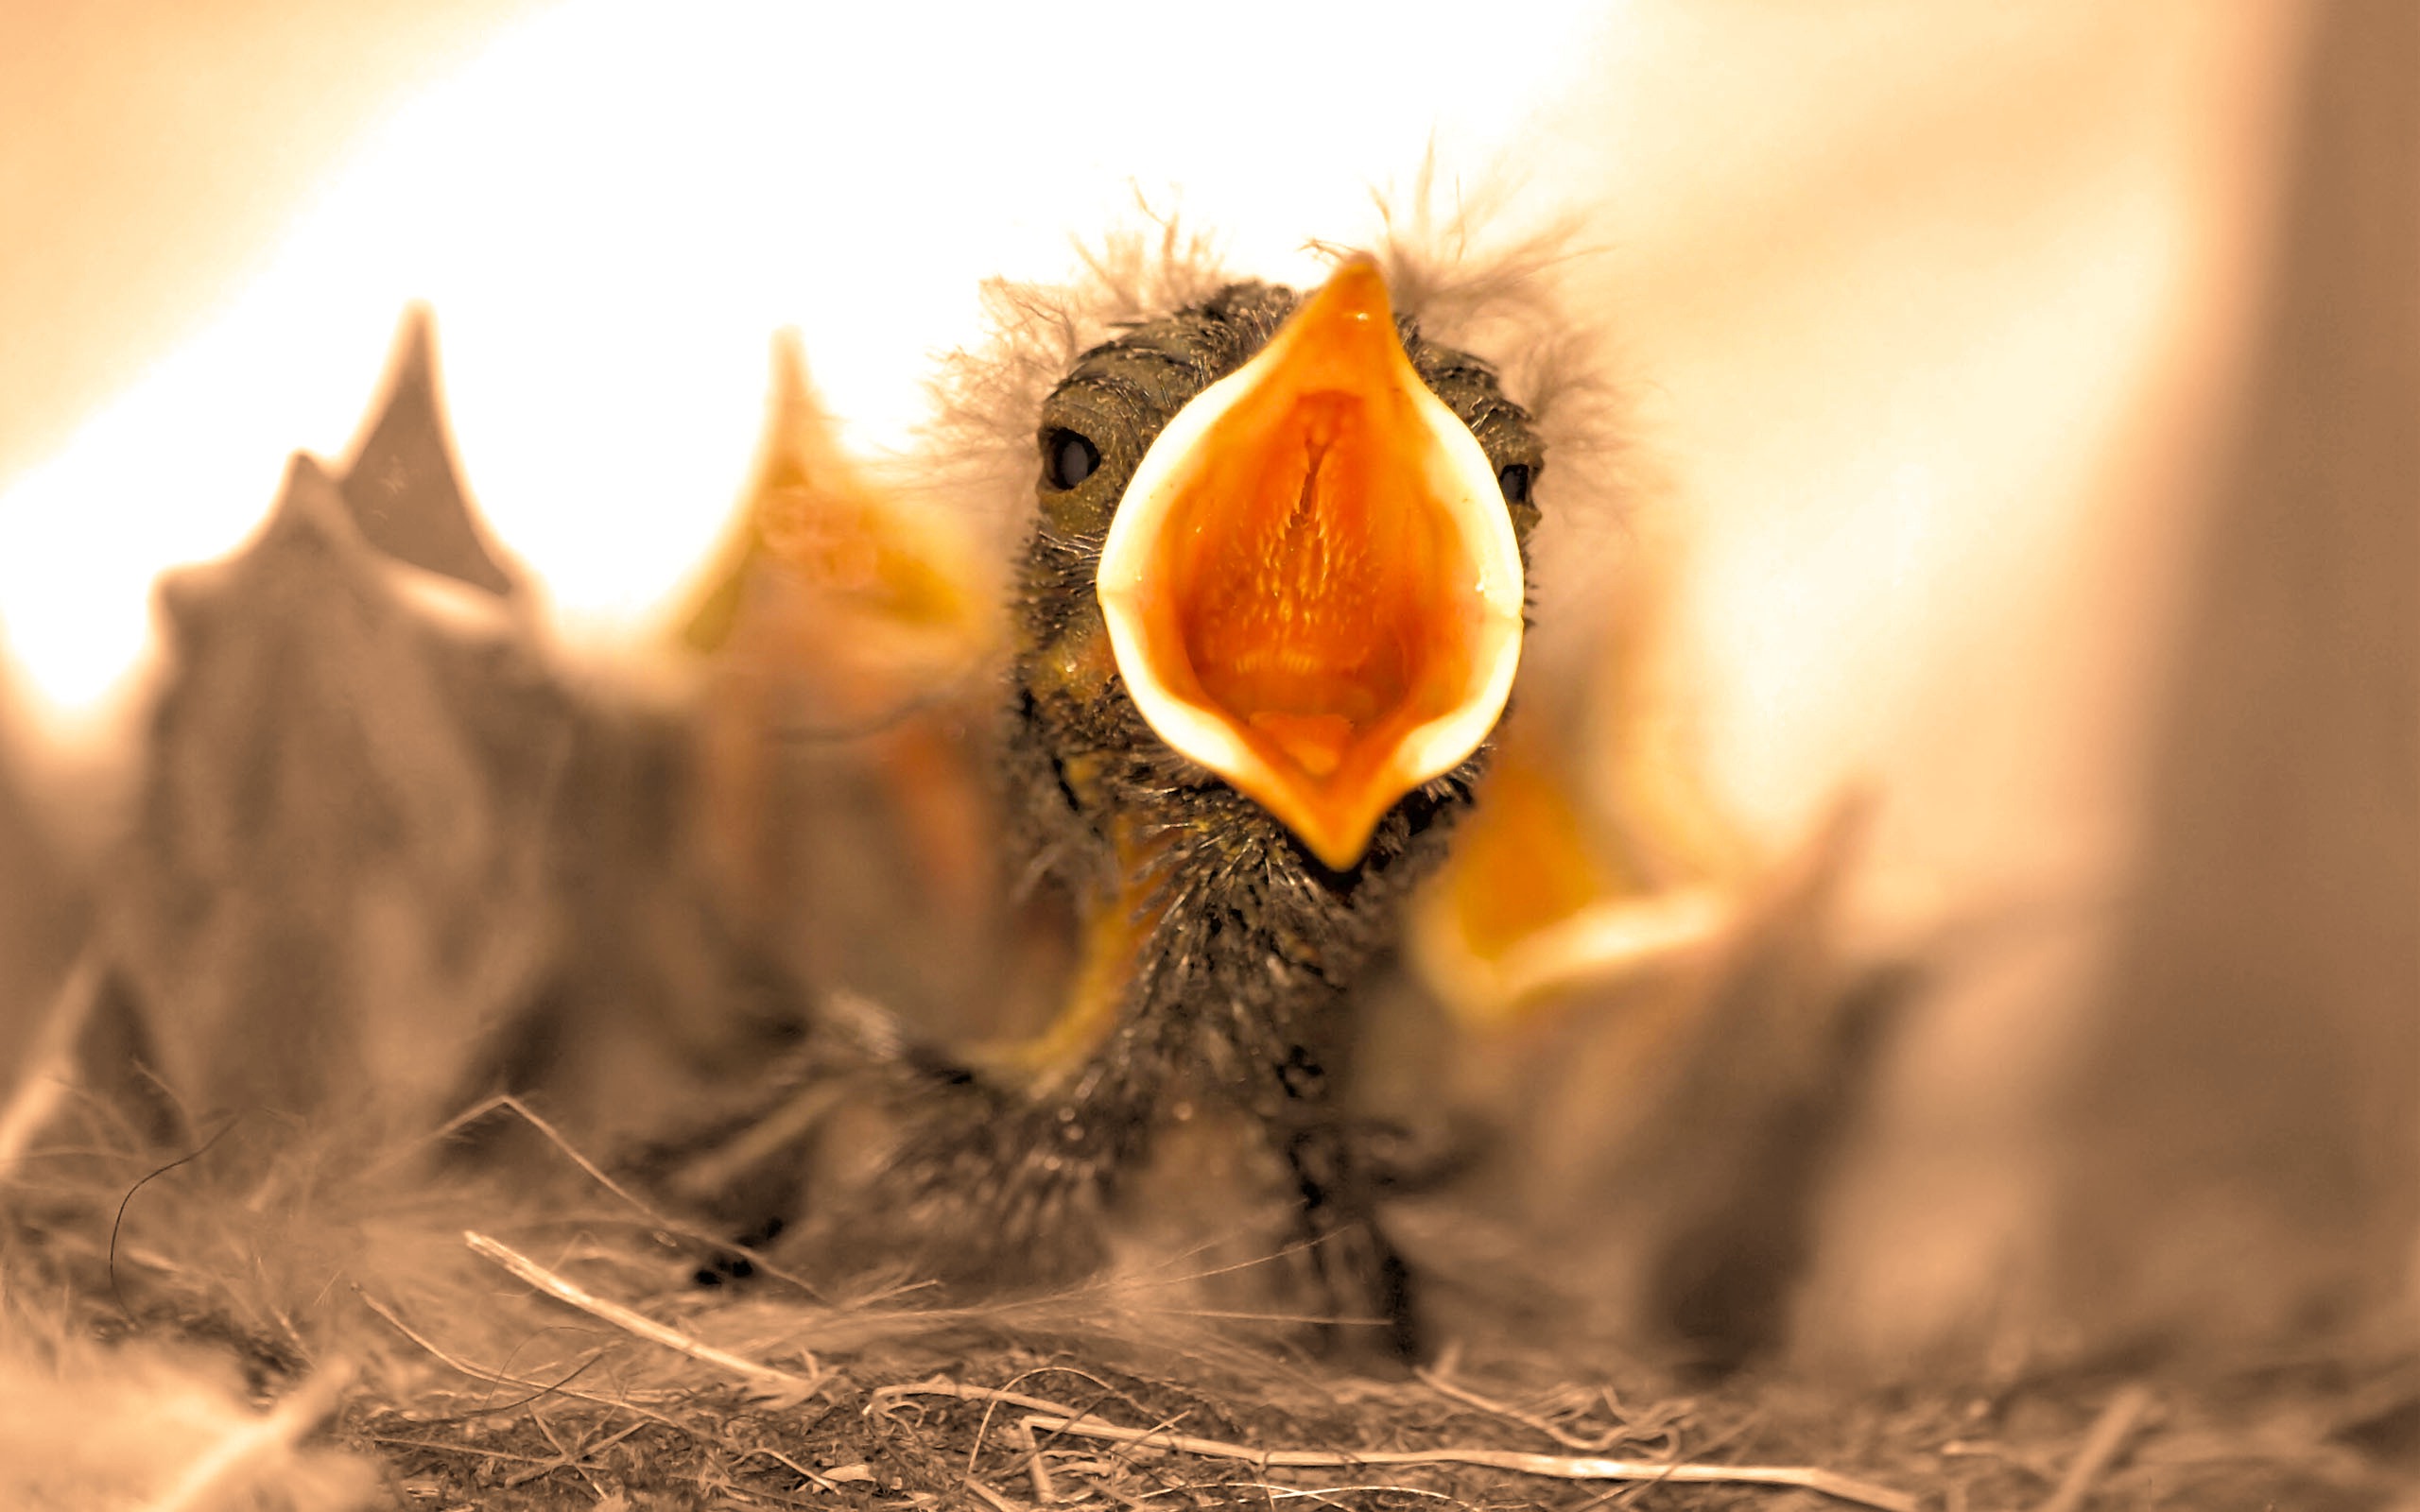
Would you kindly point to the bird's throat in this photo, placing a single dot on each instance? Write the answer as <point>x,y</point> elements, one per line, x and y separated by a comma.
<point>1301,599</point>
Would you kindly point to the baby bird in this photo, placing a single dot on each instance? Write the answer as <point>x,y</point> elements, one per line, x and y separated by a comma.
<point>1266,618</point>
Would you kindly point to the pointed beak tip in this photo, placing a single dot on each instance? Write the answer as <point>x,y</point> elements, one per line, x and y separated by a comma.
<point>1356,292</point>
<point>1337,841</point>
<point>1339,854</point>
<point>1336,826</point>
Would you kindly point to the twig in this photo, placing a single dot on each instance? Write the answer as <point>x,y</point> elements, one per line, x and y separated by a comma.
<point>566,1458</point>
<point>1146,1441</point>
<point>507,1102</point>
<point>2007,1454</point>
<point>990,1497</point>
<point>1059,1418</point>
<point>118,1223</point>
<point>537,1391</point>
<point>2110,1430</point>
<point>454,1362</point>
<point>764,1377</point>
<point>1636,1491</point>
<point>1556,1466</point>
<point>983,1427</point>
<point>822,1482</point>
<point>942,1387</point>
<point>537,1388</point>
<point>1436,1381</point>
<point>207,1480</point>
<point>437,1446</point>
<point>1046,1491</point>
<point>1271,1494</point>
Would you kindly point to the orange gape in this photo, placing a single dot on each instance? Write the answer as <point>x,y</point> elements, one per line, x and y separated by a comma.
<point>1306,573</point>
<point>1311,586</point>
<point>1527,864</point>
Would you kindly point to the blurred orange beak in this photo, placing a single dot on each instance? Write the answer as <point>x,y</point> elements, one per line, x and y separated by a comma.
<point>1312,585</point>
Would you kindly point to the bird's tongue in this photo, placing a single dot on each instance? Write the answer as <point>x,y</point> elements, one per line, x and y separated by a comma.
<point>1308,587</point>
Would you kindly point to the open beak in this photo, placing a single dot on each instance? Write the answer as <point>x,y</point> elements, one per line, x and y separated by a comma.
<point>1311,584</point>
<point>832,571</point>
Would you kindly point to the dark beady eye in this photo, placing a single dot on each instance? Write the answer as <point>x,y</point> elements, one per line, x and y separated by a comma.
<point>1067,458</point>
<point>1514,481</point>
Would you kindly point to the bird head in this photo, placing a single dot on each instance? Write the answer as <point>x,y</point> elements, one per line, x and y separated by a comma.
<point>1283,539</point>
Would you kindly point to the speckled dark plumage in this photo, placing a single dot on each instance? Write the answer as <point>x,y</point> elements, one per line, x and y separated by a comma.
<point>1236,997</point>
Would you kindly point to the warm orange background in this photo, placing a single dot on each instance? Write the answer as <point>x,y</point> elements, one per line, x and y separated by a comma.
<point>150,153</point>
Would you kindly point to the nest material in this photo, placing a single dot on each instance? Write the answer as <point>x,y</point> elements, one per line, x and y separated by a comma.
<point>321,1338</point>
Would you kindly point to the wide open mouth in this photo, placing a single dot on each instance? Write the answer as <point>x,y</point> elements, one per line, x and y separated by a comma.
<point>1311,584</point>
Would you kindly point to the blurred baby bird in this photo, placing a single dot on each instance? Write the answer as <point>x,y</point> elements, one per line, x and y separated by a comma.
<point>837,634</point>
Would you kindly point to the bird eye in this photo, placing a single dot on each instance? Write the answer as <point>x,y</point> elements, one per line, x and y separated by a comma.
<point>1067,458</point>
<point>1514,481</point>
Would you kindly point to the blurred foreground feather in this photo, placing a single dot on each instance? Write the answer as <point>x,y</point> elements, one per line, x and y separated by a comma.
<point>166,1431</point>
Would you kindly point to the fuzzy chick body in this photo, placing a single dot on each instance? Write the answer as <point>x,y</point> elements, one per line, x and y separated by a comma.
<point>1217,952</point>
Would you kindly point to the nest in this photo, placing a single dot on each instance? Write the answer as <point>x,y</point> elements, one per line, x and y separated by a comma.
<point>329,1333</point>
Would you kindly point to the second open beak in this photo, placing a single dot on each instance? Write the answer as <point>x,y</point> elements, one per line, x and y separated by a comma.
<point>1312,585</point>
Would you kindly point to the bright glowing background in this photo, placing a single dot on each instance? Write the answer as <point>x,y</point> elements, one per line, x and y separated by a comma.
<point>613,207</point>
<point>1931,310</point>
<point>1934,313</point>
